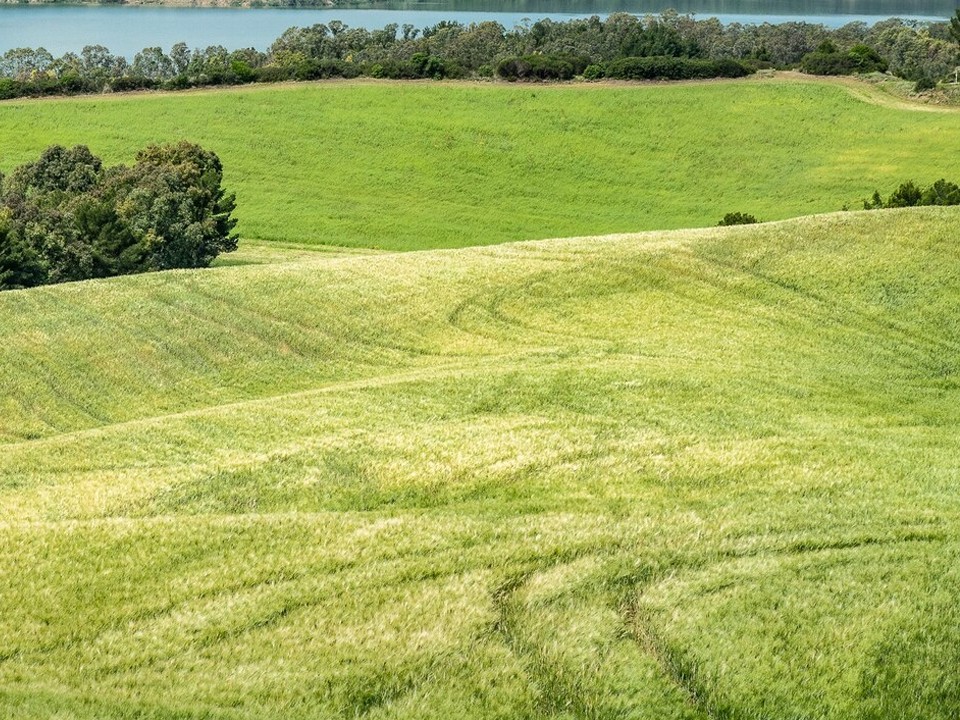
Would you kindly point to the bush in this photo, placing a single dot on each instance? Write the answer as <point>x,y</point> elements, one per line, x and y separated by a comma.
<point>924,84</point>
<point>393,70</point>
<point>673,68</point>
<point>324,69</point>
<point>593,72</point>
<point>542,67</point>
<point>827,60</point>
<point>132,82</point>
<point>737,218</point>
<point>828,64</point>
<point>428,66</point>
<point>867,59</point>
<point>10,89</point>
<point>274,73</point>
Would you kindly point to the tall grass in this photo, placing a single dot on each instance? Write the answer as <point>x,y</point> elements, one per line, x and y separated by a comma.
<point>675,475</point>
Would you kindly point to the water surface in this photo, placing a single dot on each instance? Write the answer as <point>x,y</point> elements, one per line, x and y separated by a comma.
<point>128,29</point>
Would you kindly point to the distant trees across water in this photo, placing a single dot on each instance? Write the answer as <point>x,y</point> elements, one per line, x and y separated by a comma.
<point>67,217</point>
<point>623,46</point>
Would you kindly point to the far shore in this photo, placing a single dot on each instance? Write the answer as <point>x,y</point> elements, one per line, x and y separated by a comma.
<point>195,3</point>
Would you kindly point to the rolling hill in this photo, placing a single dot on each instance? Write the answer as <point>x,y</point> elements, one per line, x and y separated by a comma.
<point>413,166</point>
<point>692,474</point>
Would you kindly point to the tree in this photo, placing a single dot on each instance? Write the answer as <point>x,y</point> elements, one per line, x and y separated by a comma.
<point>25,63</point>
<point>20,267</point>
<point>65,217</point>
<point>955,26</point>
<point>99,63</point>
<point>941,193</point>
<point>152,63</point>
<point>174,205</point>
<point>907,195</point>
<point>58,170</point>
<point>180,58</point>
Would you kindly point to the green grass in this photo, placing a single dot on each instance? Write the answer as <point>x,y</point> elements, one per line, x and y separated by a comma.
<point>699,474</point>
<point>430,165</point>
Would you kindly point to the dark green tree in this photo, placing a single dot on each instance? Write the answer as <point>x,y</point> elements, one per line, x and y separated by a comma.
<point>941,193</point>
<point>59,169</point>
<point>173,203</point>
<point>20,266</point>
<point>873,203</point>
<point>907,195</point>
<point>64,217</point>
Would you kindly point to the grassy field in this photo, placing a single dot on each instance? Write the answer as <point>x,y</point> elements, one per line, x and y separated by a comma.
<point>431,165</point>
<point>696,474</point>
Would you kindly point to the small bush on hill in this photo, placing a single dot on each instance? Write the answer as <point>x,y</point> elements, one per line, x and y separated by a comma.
<point>737,218</point>
<point>66,217</point>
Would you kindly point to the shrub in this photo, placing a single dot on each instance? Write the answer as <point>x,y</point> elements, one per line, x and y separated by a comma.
<point>10,89</point>
<point>673,68</point>
<point>828,64</point>
<point>867,59</point>
<point>827,60</point>
<point>542,67</point>
<point>874,203</point>
<point>428,66</point>
<point>593,72</point>
<point>737,218</point>
<point>132,82</point>
<point>924,84</point>
<point>393,70</point>
<point>241,72</point>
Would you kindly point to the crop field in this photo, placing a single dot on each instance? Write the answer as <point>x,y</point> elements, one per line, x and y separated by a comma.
<point>694,474</point>
<point>685,473</point>
<point>432,165</point>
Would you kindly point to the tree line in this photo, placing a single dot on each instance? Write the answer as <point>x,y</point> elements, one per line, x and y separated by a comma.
<point>909,194</point>
<point>67,217</point>
<point>543,50</point>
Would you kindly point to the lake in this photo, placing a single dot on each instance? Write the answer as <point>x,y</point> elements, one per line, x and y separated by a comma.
<point>128,29</point>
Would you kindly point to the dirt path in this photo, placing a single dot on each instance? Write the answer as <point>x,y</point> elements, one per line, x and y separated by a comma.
<point>867,92</point>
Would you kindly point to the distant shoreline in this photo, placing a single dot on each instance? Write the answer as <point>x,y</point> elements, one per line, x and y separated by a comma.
<point>300,4</point>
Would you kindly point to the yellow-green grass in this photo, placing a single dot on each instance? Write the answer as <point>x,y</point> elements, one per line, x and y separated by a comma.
<point>428,165</point>
<point>697,474</point>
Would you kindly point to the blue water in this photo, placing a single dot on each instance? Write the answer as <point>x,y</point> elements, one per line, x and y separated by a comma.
<point>128,29</point>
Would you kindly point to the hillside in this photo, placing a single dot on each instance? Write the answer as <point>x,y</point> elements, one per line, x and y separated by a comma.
<point>688,474</point>
<point>420,165</point>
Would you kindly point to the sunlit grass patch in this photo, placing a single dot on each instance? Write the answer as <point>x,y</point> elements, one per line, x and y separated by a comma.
<point>417,166</point>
